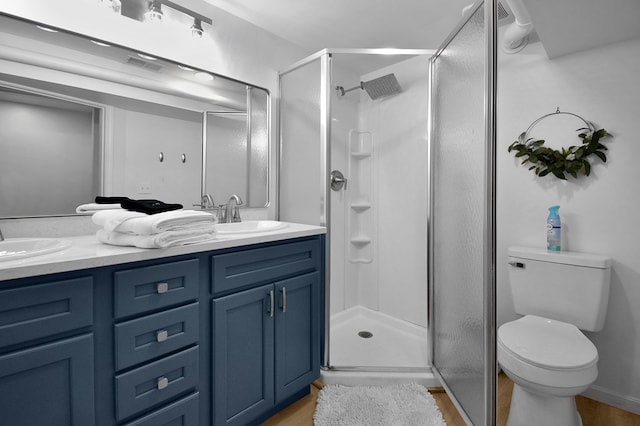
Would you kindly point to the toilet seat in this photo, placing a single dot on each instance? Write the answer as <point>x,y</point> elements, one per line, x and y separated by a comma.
<point>547,352</point>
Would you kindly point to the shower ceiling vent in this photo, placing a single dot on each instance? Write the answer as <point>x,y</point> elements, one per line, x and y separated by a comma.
<point>503,12</point>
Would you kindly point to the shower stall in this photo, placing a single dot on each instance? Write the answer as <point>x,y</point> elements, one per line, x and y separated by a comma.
<point>393,151</point>
<point>375,115</point>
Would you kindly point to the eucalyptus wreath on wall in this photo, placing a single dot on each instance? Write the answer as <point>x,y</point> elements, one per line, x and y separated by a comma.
<point>573,160</point>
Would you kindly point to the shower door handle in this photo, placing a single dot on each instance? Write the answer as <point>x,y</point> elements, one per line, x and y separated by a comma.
<point>338,181</point>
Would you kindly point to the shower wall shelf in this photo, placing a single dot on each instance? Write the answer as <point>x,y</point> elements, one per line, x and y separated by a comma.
<point>360,205</point>
<point>361,213</point>
<point>361,155</point>
<point>360,241</point>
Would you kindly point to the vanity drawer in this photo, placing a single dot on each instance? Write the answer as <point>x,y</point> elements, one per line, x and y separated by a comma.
<point>154,335</point>
<point>184,412</point>
<point>241,269</point>
<point>28,313</point>
<point>152,287</point>
<point>155,383</point>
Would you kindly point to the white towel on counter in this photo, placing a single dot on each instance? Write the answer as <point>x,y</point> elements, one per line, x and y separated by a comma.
<point>161,240</point>
<point>95,207</point>
<point>136,223</point>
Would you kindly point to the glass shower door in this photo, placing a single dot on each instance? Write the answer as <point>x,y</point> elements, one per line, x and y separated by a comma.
<point>463,313</point>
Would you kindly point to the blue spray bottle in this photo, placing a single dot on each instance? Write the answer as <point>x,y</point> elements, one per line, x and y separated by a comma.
<point>554,233</point>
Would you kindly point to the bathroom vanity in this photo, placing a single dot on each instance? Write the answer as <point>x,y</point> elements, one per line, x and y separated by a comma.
<point>220,333</point>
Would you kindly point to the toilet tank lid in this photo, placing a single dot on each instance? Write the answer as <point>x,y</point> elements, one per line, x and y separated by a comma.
<point>564,257</point>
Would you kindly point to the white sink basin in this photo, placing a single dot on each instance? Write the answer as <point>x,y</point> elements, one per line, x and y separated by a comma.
<point>249,227</point>
<point>19,248</point>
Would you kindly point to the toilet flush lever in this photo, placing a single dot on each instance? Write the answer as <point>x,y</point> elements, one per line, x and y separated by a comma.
<point>516,264</point>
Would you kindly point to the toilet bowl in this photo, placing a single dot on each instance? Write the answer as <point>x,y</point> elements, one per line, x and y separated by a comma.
<point>550,362</point>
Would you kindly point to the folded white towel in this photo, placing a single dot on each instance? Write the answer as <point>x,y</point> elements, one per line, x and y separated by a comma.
<point>160,240</point>
<point>94,207</point>
<point>136,223</point>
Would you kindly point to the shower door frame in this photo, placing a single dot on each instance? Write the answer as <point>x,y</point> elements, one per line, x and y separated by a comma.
<point>326,89</point>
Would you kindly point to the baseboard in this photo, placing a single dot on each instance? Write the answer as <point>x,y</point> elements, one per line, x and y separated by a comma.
<point>607,396</point>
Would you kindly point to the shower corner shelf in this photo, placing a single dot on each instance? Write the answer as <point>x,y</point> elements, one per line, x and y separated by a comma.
<point>360,206</point>
<point>361,154</point>
<point>361,260</point>
<point>360,240</point>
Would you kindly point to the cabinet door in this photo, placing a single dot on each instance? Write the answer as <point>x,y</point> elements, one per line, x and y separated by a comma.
<point>297,334</point>
<point>50,384</point>
<point>243,356</point>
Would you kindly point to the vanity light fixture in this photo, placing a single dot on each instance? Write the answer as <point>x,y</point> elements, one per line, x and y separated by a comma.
<point>196,28</point>
<point>155,13</point>
<point>204,76</point>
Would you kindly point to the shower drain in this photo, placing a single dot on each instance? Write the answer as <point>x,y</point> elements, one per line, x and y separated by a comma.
<point>365,334</point>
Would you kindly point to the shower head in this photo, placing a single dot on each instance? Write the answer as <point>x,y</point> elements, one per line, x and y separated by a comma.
<point>382,86</point>
<point>377,88</point>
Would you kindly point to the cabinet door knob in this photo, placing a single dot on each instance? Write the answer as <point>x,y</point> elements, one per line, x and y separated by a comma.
<point>162,287</point>
<point>163,382</point>
<point>162,335</point>
<point>284,299</point>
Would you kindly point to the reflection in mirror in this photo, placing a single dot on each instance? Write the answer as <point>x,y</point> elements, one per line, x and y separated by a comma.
<point>236,146</point>
<point>136,110</point>
<point>50,149</point>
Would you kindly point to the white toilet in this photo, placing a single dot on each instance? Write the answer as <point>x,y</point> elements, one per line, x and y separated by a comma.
<point>544,353</point>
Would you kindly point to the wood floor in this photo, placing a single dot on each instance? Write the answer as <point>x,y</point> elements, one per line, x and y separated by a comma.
<point>593,413</point>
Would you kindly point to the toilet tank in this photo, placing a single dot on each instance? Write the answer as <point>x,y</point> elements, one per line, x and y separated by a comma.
<point>566,286</point>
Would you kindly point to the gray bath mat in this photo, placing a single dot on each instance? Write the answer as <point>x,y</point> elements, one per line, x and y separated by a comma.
<point>394,405</point>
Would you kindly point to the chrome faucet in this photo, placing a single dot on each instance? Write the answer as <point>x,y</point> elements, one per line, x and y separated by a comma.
<point>206,202</point>
<point>232,213</point>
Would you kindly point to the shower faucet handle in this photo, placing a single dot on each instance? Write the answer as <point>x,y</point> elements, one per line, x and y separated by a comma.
<point>338,181</point>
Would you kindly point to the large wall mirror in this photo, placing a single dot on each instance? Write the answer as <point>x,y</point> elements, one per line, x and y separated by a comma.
<point>80,119</point>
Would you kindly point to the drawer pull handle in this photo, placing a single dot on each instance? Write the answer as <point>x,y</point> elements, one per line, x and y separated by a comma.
<point>162,287</point>
<point>163,382</point>
<point>162,335</point>
<point>284,299</point>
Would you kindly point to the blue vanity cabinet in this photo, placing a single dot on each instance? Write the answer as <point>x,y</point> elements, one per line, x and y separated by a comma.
<point>266,336</point>
<point>46,352</point>
<point>218,337</point>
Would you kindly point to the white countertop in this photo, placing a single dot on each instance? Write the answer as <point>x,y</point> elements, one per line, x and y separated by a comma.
<point>87,252</point>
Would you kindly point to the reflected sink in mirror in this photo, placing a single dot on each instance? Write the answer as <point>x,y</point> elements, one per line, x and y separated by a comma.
<point>249,227</point>
<point>20,248</point>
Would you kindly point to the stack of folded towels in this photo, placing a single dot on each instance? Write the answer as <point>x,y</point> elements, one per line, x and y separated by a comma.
<point>154,225</point>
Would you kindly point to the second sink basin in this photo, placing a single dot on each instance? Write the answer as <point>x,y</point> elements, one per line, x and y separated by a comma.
<point>250,227</point>
<point>19,248</point>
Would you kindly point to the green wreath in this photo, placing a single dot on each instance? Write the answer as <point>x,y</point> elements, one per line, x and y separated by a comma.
<point>572,160</point>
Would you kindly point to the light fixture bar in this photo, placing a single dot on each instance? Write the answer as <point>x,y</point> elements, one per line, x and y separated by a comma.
<point>186,11</point>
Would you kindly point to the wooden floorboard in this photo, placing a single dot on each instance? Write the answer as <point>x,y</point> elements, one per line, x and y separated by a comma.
<point>593,413</point>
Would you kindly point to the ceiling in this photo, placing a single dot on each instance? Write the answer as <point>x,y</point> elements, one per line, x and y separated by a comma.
<point>564,26</point>
<point>319,24</point>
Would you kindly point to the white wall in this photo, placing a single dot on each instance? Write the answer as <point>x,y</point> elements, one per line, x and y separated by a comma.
<point>234,48</point>
<point>599,212</point>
